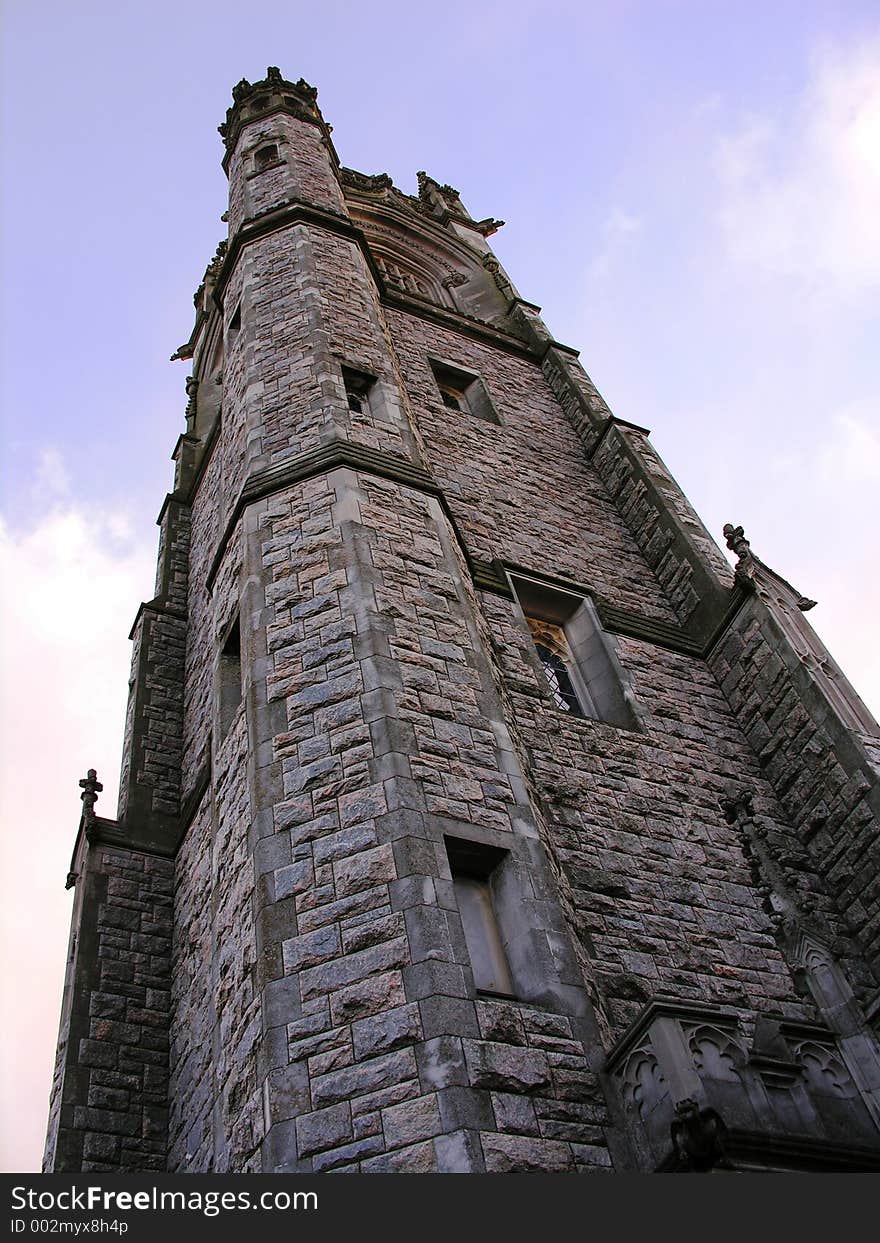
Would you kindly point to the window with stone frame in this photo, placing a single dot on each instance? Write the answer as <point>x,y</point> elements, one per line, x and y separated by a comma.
<point>266,157</point>
<point>559,666</point>
<point>578,658</point>
<point>229,687</point>
<point>476,871</point>
<point>358,385</point>
<point>463,391</point>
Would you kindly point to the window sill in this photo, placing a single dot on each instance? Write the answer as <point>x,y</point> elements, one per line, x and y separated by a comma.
<point>266,169</point>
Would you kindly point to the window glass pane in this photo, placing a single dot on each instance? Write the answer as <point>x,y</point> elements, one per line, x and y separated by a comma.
<point>559,681</point>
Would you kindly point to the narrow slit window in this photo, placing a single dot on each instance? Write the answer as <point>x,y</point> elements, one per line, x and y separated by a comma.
<point>229,678</point>
<point>235,321</point>
<point>559,680</point>
<point>578,659</point>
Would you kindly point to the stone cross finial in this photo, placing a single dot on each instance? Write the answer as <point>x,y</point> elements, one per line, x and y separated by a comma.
<point>91,788</point>
<point>737,542</point>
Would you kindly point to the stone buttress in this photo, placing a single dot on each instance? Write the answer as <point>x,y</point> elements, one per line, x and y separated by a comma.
<point>475,816</point>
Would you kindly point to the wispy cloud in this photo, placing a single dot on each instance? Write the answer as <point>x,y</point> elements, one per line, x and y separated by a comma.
<point>619,233</point>
<point>801,194</point>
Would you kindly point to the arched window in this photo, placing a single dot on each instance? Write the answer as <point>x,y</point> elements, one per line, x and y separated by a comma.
<point>557,661</point>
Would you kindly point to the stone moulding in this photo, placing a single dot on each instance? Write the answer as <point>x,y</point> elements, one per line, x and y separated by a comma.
<point>686,1075</point>
<point>296,211</point>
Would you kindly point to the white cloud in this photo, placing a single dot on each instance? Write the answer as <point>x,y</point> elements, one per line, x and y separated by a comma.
<point>852,452</point>
<point>619,232</point>
<point>801,195</point>
<point>71,586</point>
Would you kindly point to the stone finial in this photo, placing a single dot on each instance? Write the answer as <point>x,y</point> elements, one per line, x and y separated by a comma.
<point>91,787</point>
<point>750,571</point>
<point>737,542</point>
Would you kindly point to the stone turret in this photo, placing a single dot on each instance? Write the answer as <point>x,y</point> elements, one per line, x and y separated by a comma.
<point>474,814</point>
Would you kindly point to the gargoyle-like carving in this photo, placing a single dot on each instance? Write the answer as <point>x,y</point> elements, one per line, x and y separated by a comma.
<point>699,1137</point>
<point>373,183</point>
<point>736,541</point>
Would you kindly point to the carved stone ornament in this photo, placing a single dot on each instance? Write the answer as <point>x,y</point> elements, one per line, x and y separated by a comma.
<point>748,566</point>
<point>375,183</point>
<point>642,1082</point>
<point>824,1069</point>
<point>273,83</point>
<point>91,787</point>
<point>715,1053</point>
<point>699,1137</point>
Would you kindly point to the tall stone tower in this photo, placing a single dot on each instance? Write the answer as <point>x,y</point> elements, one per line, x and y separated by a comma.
<point>474,814</point>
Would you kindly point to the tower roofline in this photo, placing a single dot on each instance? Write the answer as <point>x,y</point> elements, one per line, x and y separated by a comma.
<point>254,100</point>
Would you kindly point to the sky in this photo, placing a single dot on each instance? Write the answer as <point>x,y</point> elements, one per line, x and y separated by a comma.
<point>692,192</point>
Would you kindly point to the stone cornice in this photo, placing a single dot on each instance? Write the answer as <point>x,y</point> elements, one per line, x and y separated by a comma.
<point>665,1007</point>
<point>478,329</point>
<point>157,605</point>
<point>800,1153</point>
<point>293,212</point>
<point>612,421</point>
<point>318,462</point>
<point>297,211</point>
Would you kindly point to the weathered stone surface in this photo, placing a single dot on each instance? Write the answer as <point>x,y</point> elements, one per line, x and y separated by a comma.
<point>295,985</point>
<point>325,1128</point>
<point>515,1154</point>
<point>506,1068</point>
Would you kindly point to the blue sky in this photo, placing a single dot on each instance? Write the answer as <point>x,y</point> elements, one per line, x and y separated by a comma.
<point>692,193</point>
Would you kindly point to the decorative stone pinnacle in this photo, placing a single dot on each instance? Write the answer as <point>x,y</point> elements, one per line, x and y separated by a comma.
<point>737,542</point>
<point>750,568</point>
<point>271,92</point>
<point>91,787</point>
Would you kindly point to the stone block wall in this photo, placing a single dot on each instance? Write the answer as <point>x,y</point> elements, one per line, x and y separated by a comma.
<point>111,1083</point>
<point>824,775</point>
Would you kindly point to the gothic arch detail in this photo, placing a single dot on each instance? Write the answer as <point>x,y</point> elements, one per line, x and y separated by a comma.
<point>642,1081</point>
<point>715,1053</point>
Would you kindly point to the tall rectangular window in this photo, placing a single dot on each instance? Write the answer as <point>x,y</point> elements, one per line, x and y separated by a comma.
<point>578,659</point>
<point>474,873</point>
<point>229,691</point>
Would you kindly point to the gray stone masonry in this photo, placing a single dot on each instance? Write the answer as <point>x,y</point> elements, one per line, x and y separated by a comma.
<point>337,708</point>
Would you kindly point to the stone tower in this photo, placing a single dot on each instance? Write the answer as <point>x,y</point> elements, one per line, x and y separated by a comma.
<point>474,814</point>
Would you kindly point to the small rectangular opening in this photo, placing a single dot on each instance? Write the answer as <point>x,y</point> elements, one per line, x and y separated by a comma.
<point>235,320</point>
<point>473,868</point>
<point>265,156</point>
<point>463,391</point>
<point>229,678</point>
<point>357,389</point>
